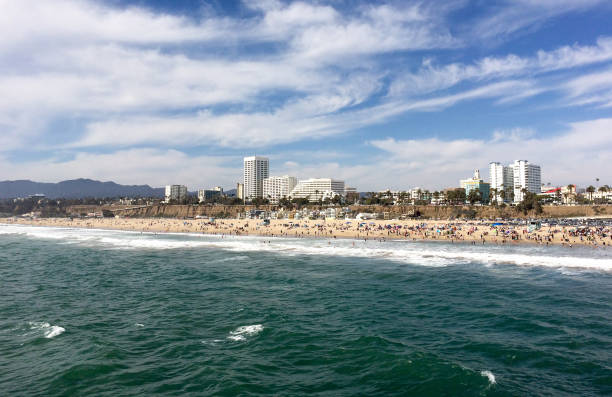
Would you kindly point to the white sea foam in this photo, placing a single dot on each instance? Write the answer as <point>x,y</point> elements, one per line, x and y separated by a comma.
<point>38,325</point>
<point>53,331</point>
<point>139,325</point>
<point>425,254</point>
<point>49,331</point>
<point>489,375</point>
<point>240,334</point>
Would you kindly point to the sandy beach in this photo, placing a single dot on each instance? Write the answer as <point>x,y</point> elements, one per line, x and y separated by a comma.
<point>474,232</point>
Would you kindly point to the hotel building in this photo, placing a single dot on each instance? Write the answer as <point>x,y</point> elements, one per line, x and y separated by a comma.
<point>526,176</point>
<point>176,192</point>
<point>501,177</point>
<point>316,189</point>
<point>256,169</point>
<point>277,187</point>
<point>207,195</point>
<point>475,183</point>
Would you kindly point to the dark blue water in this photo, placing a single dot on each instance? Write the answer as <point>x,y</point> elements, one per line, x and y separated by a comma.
<point>118,314</point>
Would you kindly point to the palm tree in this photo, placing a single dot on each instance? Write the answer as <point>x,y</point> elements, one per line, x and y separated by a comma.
<point>402,197</point>
<point>493,195</point>
<point>590,190</point>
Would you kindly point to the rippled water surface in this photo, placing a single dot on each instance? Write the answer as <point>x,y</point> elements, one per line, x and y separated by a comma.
<point>90,312</point>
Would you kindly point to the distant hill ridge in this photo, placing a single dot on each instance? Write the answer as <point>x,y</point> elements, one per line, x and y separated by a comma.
<point>76,188</point>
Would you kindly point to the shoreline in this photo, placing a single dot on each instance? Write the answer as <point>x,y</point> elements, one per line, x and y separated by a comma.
<point>475,232</point>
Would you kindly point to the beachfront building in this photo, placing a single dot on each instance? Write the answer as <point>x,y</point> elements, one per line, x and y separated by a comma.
<point>526,176</point>
<point>477,184</point>
<point>315,189</point>
<point>176,192</point>
<point>240,191</point>
<point>277,187</point>
<point>501,178</point>
<point>605,195</point>
<point>205,195</point>
<point>256,169</point>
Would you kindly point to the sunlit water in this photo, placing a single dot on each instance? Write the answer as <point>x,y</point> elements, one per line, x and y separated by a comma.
<point>92,312</point>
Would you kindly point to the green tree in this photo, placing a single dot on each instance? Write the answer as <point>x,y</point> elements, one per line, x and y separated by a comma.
<point>474,196</point>
<point>530,202</point>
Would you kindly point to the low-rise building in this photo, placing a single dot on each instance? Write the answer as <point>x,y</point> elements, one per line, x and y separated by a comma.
<point>205,195</point>
<point>475,183</point>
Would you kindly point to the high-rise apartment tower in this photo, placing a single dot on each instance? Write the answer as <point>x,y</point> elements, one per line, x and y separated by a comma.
<point>526,176</point>
<point>501,178</point>
<point>256,169</point>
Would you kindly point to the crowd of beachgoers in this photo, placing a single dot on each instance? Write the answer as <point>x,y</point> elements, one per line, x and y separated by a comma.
<point>470,231</point>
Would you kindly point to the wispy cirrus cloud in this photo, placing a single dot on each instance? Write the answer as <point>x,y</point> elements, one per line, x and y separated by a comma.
<point>504,19</point>
<point>432,77</point>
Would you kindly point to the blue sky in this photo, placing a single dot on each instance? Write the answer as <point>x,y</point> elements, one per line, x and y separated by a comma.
<point>382,94</point>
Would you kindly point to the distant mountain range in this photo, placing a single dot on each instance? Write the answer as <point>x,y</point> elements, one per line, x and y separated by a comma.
<point>76,188</point>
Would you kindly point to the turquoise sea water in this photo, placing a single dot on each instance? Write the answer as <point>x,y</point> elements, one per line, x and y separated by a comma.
<point>108,313</point>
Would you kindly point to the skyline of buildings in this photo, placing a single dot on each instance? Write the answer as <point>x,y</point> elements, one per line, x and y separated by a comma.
<point>507,183</point>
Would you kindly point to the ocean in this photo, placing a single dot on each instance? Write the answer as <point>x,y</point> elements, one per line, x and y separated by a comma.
<point>114,313</point>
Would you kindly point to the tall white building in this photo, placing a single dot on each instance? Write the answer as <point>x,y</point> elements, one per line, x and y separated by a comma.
<point>176,192</point>
<point>256,169</point>
<point>526,176</point>
<point>240,190</point>
<point>316,189</point>
<point>277,187</point>
<point>501,178</point>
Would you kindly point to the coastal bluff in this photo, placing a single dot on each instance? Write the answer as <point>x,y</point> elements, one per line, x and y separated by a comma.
<point>424,211</point>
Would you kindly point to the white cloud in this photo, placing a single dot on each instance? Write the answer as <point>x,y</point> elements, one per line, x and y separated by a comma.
<point>590,89</point>
<point>522,16</point>
<point>311,118</point>
<point>135,77</point>
<point>135,166</point>
<point>577,156</point>
<point>86,60</point>
<point>432,78</point>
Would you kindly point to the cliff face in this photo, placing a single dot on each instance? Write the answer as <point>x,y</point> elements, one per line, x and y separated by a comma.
<point>189,211</point>
<point>426,211</point>
<point>446,212</point>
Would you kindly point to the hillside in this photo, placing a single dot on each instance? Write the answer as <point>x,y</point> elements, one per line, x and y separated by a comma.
<point>76,188</point>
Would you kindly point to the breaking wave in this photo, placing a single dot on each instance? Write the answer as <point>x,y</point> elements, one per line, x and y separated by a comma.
<point>420,253</point>
<point>240,334</point>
